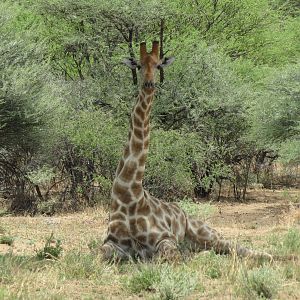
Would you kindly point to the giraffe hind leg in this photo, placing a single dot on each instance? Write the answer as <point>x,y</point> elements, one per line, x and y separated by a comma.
<point>202,237</point>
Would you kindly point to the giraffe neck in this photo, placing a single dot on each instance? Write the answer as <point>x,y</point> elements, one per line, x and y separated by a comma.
<point>127,186</point>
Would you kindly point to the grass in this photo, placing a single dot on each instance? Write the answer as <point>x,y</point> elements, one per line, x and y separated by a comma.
<point>77,273</point>
<point>164,281</point>
<point>200,210</point>
<point>286,244</point>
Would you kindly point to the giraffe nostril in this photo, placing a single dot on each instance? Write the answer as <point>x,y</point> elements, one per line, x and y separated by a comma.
<point>148,84</point>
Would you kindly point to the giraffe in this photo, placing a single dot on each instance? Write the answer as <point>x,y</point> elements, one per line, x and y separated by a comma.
<point>141,225</point>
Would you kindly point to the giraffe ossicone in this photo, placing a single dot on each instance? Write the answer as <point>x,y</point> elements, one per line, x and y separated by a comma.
<point>139,224</point>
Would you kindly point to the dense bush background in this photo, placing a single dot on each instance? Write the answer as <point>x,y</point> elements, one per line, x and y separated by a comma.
<point>228,109</point>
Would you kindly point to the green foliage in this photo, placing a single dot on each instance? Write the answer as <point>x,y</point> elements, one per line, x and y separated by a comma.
<point>232,93</point>
<point>42,175</point>
<point>52,249</point>
<point>169,163</point>
<point>276,119</point>
<point>260,283</point>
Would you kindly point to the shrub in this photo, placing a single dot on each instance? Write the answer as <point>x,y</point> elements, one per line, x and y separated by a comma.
<point>51,250</point>
<point>262,282</point>
<point>144,279</point>
<point>165,281</point>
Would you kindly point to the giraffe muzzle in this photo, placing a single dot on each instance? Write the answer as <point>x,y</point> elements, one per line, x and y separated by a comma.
<point>149,85</point>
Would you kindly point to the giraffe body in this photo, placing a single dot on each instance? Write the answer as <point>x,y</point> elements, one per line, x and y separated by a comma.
<point>141,225</point>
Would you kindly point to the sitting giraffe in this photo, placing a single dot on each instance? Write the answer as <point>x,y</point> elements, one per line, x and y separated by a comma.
<point>141,225</point>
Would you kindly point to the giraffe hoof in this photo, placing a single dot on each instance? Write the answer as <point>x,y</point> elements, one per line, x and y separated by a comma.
<point>107,252</point>
<point>168,251</point>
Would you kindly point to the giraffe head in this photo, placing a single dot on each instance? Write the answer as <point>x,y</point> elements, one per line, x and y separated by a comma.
<point>148,64</point>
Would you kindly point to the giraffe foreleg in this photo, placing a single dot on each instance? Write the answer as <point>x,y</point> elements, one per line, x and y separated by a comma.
<point>112,252</point>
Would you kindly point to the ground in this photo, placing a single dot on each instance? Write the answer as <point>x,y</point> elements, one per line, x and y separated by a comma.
<point>269,220</point>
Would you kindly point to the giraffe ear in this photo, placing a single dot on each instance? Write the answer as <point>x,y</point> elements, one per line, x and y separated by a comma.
<point>131,63</point>
<point>166,61</point>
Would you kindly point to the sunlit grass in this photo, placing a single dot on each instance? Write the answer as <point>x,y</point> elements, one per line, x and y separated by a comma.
<point>200,210</point>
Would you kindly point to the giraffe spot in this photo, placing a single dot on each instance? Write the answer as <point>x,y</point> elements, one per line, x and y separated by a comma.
<point>146,130</point>
<point>143,208</point>
<point>120,166</point>
<point>162,225</point>
<point>142,96</point>
<point>158,212</point>
<point>132,209</point>
<point>126,242</point>
<point>117,216</point>
<point>126,151</point>
<point>136,146</point>
<point>146,143</point>
<point>121,231</point>
<point>149,98</point>
<point>142,239</point>
<point>182,219</point>
<point>154,223</point>
<point>165,208</point>
<point>152,238</point>
<point>113,226</point>
<point>133,227</point>
<point>138,133</point>
<point>140,113</point>
<point>142,160</point>
<point>175,226</point>
<point>141,224</point>
<point>128,171</point>
<point>137,122</point>
<point>121,193</point>
<point>148,110</point>
<point>112,238</point>
<point>168,220</point>
<point>136,189</point>
<point>114,205</point>
<point>144,105</point>
<point>194,223</point>
<point>123,209</point>
<point>202,231</point>
<point>139,175</point>
<point>191,235</point>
